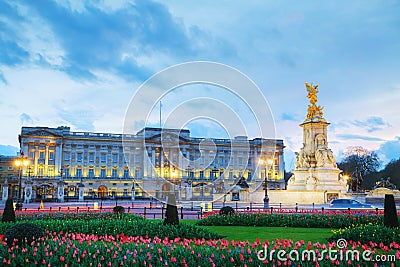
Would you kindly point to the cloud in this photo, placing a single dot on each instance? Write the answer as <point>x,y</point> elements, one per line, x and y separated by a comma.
<point>357,136</point>
<point>2,78</point>
<point>390,149</point>
<point>289,117</point>
<point>372,124</point>
<point>25,119</point>
<point>8,150</point>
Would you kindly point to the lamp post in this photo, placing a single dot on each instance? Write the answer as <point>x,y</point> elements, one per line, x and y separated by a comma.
<point>20,163</point>
<point>265,163</point>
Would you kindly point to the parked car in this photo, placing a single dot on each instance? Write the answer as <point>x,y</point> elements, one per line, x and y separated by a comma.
<point>345,203</point>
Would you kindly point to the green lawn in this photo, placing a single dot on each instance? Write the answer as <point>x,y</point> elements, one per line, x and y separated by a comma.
<point>270,233</point>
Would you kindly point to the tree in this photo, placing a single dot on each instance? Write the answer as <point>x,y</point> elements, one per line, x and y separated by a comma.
<point>9,213</point>
<point>171,214</point>
<point>390,213</point>
<point>361,158</point>
<point>365,161</point>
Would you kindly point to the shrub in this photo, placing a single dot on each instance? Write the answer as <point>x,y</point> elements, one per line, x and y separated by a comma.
<point>390,213</point>
<point>228,210</point>
<point>291,220</point>
<point>119,210</point>
<point>171,214</point>
<point>23,232</point>
<point>9,213</point>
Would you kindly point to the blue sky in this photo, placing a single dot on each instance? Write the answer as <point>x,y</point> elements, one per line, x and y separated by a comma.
<point>78,63</point>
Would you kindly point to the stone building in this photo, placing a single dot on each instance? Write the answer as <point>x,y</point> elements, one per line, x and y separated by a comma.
<point>66,165</point>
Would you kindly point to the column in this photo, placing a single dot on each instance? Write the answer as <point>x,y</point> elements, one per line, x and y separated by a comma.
<point>5,191</point>
<point>60,191</point>
<point>28,192</point>
<point>35,170</point>
<point>81,189</point>
<point>145,161</point>
<point>153,162</point>
<point>46,160</point>
<point>58,159</point>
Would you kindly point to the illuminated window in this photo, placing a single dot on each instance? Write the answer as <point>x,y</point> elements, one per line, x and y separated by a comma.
<point>51,155</point>
<point>114,173</point>
<point>78,172</point>
<point>103,173</point>
<point>126,173</point>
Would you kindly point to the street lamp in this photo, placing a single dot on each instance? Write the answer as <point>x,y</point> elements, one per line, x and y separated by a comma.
<point>20,163</point>
<point>265,163</point>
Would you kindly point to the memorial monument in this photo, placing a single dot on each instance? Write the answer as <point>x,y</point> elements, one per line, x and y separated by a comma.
<point>315,166</point>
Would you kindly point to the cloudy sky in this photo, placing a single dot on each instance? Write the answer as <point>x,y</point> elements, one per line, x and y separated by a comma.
<point>79,63</point>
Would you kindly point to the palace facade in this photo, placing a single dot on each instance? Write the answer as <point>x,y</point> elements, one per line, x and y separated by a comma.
<point>66,165</point>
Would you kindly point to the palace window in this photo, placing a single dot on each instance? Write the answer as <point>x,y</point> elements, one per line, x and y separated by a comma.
<point>67,156</point>
<point>79,157</point>
<point>51,155</point>
<point>103,173</point>
<point>114,173</point>
<point>201,174</point>
<point>91,173</point>
<point>126,173</point>
<point>78,172</point>
<point>115,158</point>
<point>103,157</point>
<point>91,157</point>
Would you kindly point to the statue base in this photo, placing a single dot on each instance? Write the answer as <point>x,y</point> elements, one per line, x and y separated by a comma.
<point>317,179</point>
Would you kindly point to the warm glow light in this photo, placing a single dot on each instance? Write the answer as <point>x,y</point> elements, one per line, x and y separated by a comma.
<point>20,162</point>
<point>346,177</point>
<point>261,161</point>
<point>270,161</point>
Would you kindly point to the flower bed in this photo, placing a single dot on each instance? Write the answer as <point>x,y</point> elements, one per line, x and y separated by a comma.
<point>68,249</point>
<point>369,233</point>
<point>314,220</point>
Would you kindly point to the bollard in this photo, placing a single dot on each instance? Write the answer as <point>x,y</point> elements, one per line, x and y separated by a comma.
<point>251,206</point>
<point>313,205</point>
<point>154,215</point>
<point>87,203</point>
<point>376,211</point>
<point>191,207</point>
<point>38,209</point>
<point>348,209</point>
<point>323,210</point>
<point>272,209</point>
<point>151,205</point>
<point>68,208</point>
<point>59,209</point>
<point>26,209</point>
<point>181,213</point>
<point>162,212</point>
<point>247,208</point>
<point>201,212</point>
<point>297,208</point>
<point>236,206</point>
<point>77,209</point>
<point>144,211</point>
<point>50,209</point>
<point>280,206</point>
<point>88,209</point>
<point>129,209</point>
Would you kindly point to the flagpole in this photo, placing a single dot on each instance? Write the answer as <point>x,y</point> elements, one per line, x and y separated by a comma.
<point>160,114</point>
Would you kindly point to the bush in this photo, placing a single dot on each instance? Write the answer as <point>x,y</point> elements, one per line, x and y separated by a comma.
<point>9,213</point>
<point>368,233</point>
<point>171,214</point>
<point>23,232</point>
<point>390,213</point>
<point>291,220</point>
<point>228,210</point>
<point>119,210</point>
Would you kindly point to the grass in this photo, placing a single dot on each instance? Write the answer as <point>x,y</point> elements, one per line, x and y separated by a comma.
<point>270,233</point>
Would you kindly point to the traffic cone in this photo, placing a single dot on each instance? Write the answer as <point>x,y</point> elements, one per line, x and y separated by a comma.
<point>41,205</point>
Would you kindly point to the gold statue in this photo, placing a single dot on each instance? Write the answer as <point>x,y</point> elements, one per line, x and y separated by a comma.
<point>313,110</point>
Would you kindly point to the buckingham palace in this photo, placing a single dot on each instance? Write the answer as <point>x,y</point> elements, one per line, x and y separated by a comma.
<point>64,165</point>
